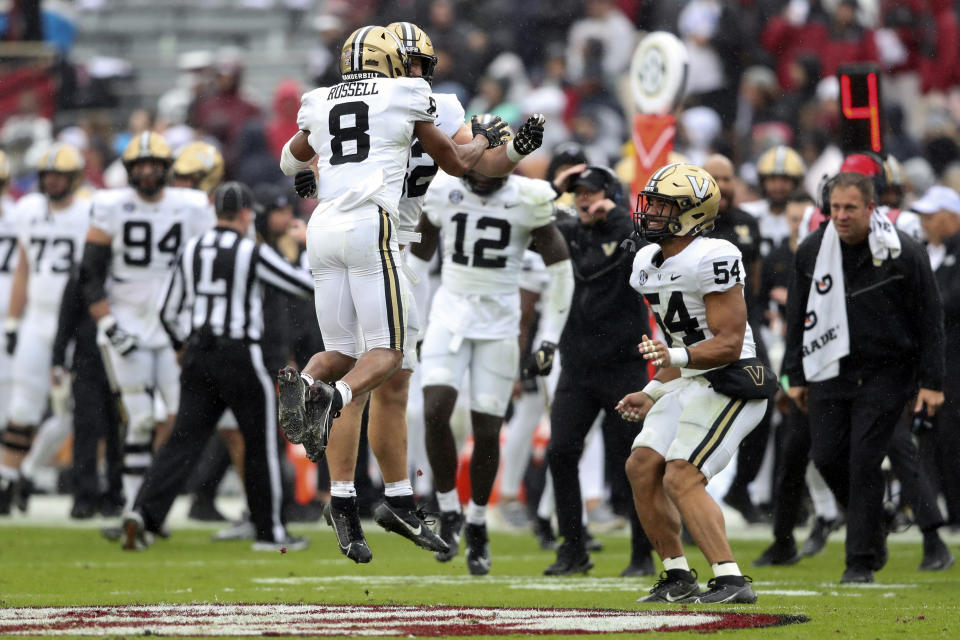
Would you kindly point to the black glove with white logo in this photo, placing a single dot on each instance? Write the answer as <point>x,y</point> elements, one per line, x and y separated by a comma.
<point>11,328</point>
<point>305,182</point>
<point>530,136</point>
<point>494,130</point>
<point>124,343</point>
<point>540,362</point>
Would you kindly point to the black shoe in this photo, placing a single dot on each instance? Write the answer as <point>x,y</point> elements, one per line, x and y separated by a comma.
<point>673,586</point>
<point>857,575</point>
<point>571,559</point>
<point>741,502</point>
<point>639,568</point>
<point>320,415</point>
<point>543,531</point>
<point>6,496</point>
<point>936,555</point>
<point>478,549</point>
<point>83,510</point>
<point>22,490</point>
<point>291,392</point>
<point>819,533</point>
<point>205,511</point>
<point>346,524</point>
<point>451,523</point>
<point>135,536</point>
<point>726,591</point>
<point>780,553</point>
<point>409,524</point>
<point>591,543</point>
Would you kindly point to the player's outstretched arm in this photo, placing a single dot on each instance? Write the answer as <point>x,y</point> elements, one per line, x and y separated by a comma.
<point>502,160</point>
<point>455,159</point>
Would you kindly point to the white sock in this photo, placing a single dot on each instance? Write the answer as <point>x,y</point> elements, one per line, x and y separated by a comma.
<point>725,569</point>
<point>401,488</point>
<point>680,562</point>
<point>476,514</point>
<point>307,378</point>
<point>50,437</point>
<point>546,506</point>
<point>343,489</point>
<point>8,473</point>
<point>448,500</point>
<point>131,487</point>
<point>824,504</point>
<point>346,393</point>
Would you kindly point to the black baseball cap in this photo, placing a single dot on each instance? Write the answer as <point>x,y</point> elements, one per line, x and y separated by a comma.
<point>592,178</point>
<point>231,197</point>
<point>271,197</point>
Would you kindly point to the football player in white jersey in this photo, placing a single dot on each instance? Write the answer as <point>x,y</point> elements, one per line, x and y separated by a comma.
<point>135,235</point>
<point>710,390</point>
<point>781,171</point>
<point>388,403</point>
<point>8,264</point>
<point>50,228</point>
<point>360,131</point>
<point>486,224</point>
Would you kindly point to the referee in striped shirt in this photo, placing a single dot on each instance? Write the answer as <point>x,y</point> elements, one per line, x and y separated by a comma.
<point>213,311</point>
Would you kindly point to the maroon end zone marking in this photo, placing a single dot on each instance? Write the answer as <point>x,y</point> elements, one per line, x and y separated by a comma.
<point>369,620</point>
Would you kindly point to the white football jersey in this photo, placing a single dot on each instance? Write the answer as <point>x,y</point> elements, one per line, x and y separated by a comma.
<point>362,132</point>
<point>8,251</point>
<point>674,289</point>
<point>484,239</point>
<point>773,227</point>
<point>53,243</point>
<point>147,237</point>
<point>421,168</point>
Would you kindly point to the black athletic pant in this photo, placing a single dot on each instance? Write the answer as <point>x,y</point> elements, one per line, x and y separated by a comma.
<point>581,394</point>
<point>793,454</point>
<point>916,486</point>
<point>851,430</point>
<point>940,452</point>
<point>95,416</point>
<point>217,375</point>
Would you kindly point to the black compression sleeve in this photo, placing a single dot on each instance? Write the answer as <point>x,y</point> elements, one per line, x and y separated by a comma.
<point>93,271</point>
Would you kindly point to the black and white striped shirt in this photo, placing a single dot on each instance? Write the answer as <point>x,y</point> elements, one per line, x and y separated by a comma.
<point>216,285</point>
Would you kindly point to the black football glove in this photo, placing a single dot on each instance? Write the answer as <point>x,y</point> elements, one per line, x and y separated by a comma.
<point>494,131</point>
<point>125,343</point>
<point>530,136</point>
<point>305,182</point>
<point>540,362</point>
<point>11,329</point>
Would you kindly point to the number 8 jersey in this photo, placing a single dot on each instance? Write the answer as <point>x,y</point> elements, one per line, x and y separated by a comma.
<point>362,132</point>
<point>147,237</point>
<point>674,289</point>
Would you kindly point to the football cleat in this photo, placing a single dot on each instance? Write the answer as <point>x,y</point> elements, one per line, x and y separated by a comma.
<point>6,496</point>
<point>571,559</point>
<point>819,533</point>
<point>451,522</point>
<point>725,593</point>
<point>856,575</point>
<point>135,535</point>
<point>478,549</point>
<point>242,529</point>
<point>291,390</point>
<point>319,418</point>
<point>22,490</point>
<point>780,553</point>
<point>675,586</point>
<point>290,543</point>
<point>936,556</point>
<point>409,524</point>
<point>346,524</point>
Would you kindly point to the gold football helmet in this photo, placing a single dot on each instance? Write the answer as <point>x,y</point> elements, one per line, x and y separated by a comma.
<point>695,194</point>
<point>4,171</point>
<point>894,172</point>
<point>201,164</point>
<point>418,45</point>
<point>144,146</point>
<point>373,52</point>
<point>781,161</point>
<point>65,159</point>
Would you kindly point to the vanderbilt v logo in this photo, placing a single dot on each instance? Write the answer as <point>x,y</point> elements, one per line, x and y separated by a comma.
<point>757,374</point>
<point>609,248</point>
<point>698,188</point>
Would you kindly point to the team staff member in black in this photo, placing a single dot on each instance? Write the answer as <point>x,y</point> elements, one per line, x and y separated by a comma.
<point>600,360</point>
<point>894,324</point>
<point>217,285</point>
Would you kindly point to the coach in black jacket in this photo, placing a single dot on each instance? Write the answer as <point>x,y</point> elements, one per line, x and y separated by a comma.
<point>895,327</point>
<point>600,360</point>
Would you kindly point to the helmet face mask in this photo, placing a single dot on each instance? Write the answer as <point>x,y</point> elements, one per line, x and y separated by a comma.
<point>780,162</point>
<point>373,52</point>
<point>679,200</point>
<point>482,185</point>
<point>418,46</point>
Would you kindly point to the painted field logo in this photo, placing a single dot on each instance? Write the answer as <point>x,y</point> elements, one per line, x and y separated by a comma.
<point>353,620</point>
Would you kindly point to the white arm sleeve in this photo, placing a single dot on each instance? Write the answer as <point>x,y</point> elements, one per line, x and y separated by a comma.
<point>559,296</point>
<point>289,164</point>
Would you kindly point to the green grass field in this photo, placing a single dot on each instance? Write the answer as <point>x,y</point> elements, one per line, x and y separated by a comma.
<point>45,566</point>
